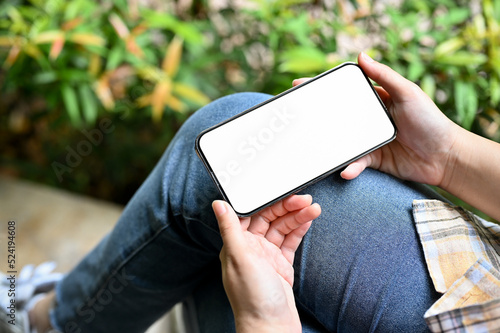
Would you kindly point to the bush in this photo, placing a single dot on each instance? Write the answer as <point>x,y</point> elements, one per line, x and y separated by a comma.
<point>69,65</point>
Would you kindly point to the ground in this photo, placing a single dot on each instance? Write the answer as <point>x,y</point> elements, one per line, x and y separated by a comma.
<point>55,225</point>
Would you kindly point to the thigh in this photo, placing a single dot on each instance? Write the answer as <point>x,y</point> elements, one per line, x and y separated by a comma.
<point>360,267</point>
<point>210,308</point>
<point>157,252</point>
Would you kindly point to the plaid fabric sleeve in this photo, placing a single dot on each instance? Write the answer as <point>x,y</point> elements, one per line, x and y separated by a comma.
<point>463,259</point>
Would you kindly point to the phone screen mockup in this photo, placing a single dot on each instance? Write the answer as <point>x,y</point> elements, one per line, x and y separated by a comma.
<point>294,139</point>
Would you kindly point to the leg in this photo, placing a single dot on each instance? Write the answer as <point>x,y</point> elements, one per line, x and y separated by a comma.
<point>212,312</point>
<point>161,246</point>
<point>360,267</point>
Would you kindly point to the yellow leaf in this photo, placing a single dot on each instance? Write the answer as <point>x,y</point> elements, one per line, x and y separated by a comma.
<point>172,58</point>
<point>448,47</point>
<point>141,28</point>
<point>33,51</point>
<point>133,48</point>
<point>13,55</point>
<point>57,47</point>
<point>175,104</point>
<point>160,94</point>
<point>104,93</point>
<point>191,94</point>
<point>95,64</point>
<point>87,39</point>
<point>151,73</point>
<point>120,27</point>
<point>10,40</point>
<point>48,36</point>
<point>71,24</point>
<point>144,100</point>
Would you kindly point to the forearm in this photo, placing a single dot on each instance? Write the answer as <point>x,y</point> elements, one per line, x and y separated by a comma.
<point>247,326</point>
<point>473,172</point>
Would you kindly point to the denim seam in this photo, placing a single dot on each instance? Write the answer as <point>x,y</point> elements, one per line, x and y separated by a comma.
<point>313,315</point>
<point>122,264</point>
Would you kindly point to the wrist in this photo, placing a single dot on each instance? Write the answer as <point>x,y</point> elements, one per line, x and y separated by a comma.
<point>257,322</point>
<point>458,157</point>
<point>252,326</point>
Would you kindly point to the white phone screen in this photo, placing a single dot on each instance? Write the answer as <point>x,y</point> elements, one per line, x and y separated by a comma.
<point>294,139</point>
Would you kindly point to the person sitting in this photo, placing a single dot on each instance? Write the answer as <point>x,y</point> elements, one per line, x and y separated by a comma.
<point>383,250</point>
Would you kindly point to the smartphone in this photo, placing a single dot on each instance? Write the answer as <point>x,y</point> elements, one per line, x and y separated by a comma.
<point>294,139</point>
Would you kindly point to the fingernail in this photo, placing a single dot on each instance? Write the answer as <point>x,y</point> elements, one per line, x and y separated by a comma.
<point>219,207</point>
<point>367,57</point>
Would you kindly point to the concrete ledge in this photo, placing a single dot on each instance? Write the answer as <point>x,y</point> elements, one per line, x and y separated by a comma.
<point>56,225</point>
<point>52,224</point>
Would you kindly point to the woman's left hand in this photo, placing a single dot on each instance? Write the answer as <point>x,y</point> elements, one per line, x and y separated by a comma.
<point>257,259</point>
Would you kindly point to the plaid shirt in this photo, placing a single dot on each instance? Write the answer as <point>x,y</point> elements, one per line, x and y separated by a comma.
<point>462,253</point>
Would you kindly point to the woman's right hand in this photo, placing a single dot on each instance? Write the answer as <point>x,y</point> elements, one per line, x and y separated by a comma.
<point>429,148</point>
<point>423,149</point>
<point>425,135</point>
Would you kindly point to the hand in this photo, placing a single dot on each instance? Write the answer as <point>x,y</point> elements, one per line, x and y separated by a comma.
<point>257,259</point>
<point>423,145</point>
<point>429,148</point>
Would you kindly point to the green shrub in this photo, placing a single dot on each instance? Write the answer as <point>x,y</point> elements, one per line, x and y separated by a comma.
<point>68,64</point>
<point>88,55</point>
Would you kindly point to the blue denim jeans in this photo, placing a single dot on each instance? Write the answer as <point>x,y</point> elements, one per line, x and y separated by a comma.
<point>360,267</point>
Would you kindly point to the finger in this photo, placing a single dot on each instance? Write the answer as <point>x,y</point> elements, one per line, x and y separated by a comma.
<point>229,224</point>
<point>384,95</point>
<point>259,223</point>
<point>286,224</point>
<point>356,168</point>
<point>296,82</point>
<point>397,86</point>
<point>292,241</point>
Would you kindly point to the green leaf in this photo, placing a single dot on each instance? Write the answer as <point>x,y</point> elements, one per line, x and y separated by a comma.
<point>303,60</point>
<point>449,46</point>
<point>422,6</point>
<point>494,91</point>
<point>53,7</point>
<point>453,17</point>
<point>415,70</point>
<point>466,103</point>
<point>491,14</point>
<point>472,105</point>
<point>462,58</point>
<point>72,10</point>
<point>45,77</point>
<point>428,85</point>
<point>74,75</point>
<point>89,105</point>
<point>115,57</point>
<point>71,104</point>
<point>300,28</point>
<point>18,26</point>
<point>122,5</point>
<point>187,31</point>
<point>495,63</point>
<point>459,90</point>
<point>158,20</point>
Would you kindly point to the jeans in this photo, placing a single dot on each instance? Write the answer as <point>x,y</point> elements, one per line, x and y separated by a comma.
<point>359,268</point>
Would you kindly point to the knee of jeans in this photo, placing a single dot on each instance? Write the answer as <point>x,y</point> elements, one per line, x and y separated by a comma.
<point>191,191</point>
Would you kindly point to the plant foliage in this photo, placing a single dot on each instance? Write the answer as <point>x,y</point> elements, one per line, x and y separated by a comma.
<point>67,64</point>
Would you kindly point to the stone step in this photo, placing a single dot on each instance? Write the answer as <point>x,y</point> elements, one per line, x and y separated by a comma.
<point>57,225</point>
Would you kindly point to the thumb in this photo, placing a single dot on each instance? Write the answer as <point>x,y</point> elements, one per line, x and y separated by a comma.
<point>229,223</point>
<point>354,169</point>
<point>399,88</point>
